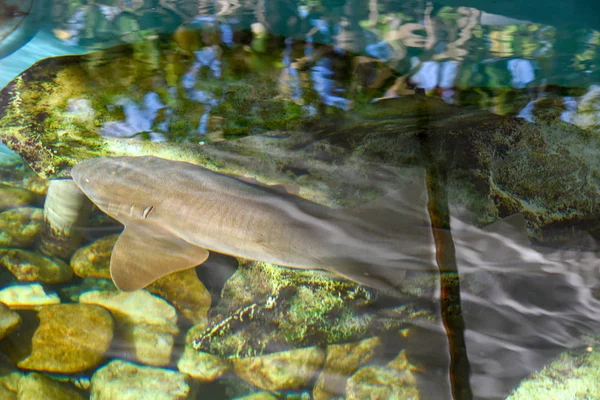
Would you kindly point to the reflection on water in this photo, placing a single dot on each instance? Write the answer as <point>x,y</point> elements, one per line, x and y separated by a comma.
<point>347,137</point>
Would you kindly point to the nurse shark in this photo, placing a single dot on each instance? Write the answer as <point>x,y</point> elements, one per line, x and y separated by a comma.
<point>175,213</point>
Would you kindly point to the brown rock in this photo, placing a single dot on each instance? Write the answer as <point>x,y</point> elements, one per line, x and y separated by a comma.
<point>13,197</point>
<point>93,260</point>
<point>36,386</point>
<point>186,292</point>
<point>71,338</point>
<point>202,366</point>
<point>394,381</point>
<point>30,266</point>
<point>9,385</point>
<point>19,227</point>
<point>9,320</point>
<point>342,361</point>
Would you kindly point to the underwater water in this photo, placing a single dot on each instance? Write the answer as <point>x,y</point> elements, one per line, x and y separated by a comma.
<point>321,200</point>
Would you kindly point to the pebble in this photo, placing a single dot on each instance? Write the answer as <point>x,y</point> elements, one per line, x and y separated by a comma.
<point>71,338</point>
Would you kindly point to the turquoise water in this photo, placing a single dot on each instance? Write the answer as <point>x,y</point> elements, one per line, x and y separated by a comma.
<point>402,203</point>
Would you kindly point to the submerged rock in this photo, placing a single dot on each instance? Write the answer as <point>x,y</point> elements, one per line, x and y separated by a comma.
<point>341,361</point>
<point>19,227</point>
<point>201,366</point>
<point>186,292</point>
<point>36,386</point>
<point>573,375</point>
<point>394,381</point>
<point>281,309</point>
<point>71,293</point>
<point>126,381</point>
<point>13,197</point>
<point>93,260</point>
<point>71,338</point>
<point>286,370</point>
<point>147,322</point>
<point>31,296</point>
<point>9,320</point>
<point>30,266</point>
<point>9,385</point>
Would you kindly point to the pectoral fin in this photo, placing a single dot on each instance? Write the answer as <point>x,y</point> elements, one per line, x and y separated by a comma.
<point>145,252</point>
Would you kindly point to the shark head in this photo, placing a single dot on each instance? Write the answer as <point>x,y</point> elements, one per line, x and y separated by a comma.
<point>117,186</point>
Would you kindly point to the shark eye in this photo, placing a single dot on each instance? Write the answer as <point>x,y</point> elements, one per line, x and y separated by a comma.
<point>147,211</point>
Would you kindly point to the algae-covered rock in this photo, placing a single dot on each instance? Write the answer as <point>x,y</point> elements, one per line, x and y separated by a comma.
<point>266,308</point>
<point>93,260</point>
<point>30,266</point>
<point>71,338</point>
<point>19,227</point>
<point>572,375</point>
<point>147,322</point>
<point>126,381</point>
<point>9,320</point>
<point>31,296</point>
<point>394,381</point>
<point>286,370</point>
<point>13,197</point>
<point>184,290</point>
<point>341,361</point>
<point>36,386</point>
<point>588,110</point>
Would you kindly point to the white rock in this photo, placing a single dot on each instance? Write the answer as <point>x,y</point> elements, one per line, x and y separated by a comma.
<point>27,296</point>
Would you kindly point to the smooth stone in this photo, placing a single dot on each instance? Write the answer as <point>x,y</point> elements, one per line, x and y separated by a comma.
<point>121,380</point>
<point>186,292</point>
<point>285,370</point>
<point>71,338</point>
<point>148,322</point>
<point>9,385</point>
<point>20,226</point>
<point>36,386</point>
<point>202,366</point>
<point>30,296</point>
<point>393,381</point>
<point>30,266</point>
<point>93,260</point>
<point>9,320</point>
<point>13,197</point>
<point>341,361</point>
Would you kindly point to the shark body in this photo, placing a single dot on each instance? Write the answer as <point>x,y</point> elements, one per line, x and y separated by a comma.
<point>174,213</point>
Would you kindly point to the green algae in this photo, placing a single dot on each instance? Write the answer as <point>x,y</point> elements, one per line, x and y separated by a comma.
<point>282,309</point>
<point>573,375</point>
<point>39,123</point>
